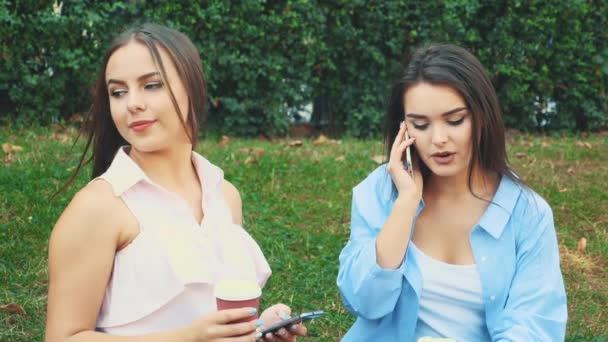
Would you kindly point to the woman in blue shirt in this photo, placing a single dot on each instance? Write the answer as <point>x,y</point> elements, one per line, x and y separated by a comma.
<point>462,248</point>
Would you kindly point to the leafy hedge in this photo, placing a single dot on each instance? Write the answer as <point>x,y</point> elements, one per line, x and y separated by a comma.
<point>548,59</point>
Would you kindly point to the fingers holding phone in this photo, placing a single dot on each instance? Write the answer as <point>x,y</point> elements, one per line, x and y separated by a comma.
<point>400,165</point>
<point>288,328</point>
<point>292,327</point>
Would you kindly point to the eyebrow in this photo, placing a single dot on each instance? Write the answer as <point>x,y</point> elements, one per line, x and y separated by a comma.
<point>449,112</point>
<point>142,77</point>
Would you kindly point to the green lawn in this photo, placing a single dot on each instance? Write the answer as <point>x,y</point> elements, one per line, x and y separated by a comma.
<point>297,206</point>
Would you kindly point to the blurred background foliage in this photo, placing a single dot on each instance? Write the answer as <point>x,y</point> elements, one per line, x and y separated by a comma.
<point>267,61</point>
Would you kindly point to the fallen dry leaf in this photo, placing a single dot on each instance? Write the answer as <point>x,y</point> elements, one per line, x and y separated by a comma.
<point>295,143</point>
<point>521,154</point>
<point>225,140</point>
<point>562,190</point>
<point>544,144</point>
<point>340,158</point>
<point>584,144</point>
<point>258,152</point>
<point>582,245</point>
<point>244,149</point>
<point>570,171</point>
<point>13,308</point>
<point>379,158</point>
<point>8,148</point>
<point>250,160</point>
<point>322,139</point>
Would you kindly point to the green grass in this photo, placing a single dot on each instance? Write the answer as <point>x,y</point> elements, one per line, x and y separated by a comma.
<point>297,206</point>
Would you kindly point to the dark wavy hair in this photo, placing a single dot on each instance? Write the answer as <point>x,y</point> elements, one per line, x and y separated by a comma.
<point>103,138</point>
<point>450,65</point>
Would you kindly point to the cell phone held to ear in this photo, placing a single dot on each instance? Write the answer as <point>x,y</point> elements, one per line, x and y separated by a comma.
<point>307,316</point>
<point>408,157</point>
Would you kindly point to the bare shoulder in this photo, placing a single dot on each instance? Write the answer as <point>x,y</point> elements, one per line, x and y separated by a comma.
<point>95,197</point>
<point>233,198</point>
<point>92,213</point>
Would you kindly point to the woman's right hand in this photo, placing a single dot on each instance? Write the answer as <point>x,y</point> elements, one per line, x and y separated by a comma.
<point>220,326</point>
<point>405,184</point>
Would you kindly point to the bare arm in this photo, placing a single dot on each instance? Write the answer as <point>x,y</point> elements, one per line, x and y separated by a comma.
<point>233,198</point>
<point>392,240</point>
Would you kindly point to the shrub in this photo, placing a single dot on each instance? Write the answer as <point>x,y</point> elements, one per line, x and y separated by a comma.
<point>548,61</point>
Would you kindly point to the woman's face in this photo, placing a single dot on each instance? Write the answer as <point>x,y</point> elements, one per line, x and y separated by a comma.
<point>140,103</point>
<point>438,117</point>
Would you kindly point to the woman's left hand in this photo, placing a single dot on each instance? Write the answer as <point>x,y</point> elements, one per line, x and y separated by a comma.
<point>275,314</point>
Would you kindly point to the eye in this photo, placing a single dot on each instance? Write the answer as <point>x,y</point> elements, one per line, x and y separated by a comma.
<point>420,126</point>
<point>456,122</point>
<point>153,85</point>
<point>118,93</point>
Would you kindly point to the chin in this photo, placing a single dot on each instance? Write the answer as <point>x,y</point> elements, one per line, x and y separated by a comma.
<point>447,171</point>
<point>148,145</point>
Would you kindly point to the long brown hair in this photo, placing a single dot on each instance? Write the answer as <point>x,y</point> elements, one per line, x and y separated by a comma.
<point>453,66</point>
<point>103,138</point>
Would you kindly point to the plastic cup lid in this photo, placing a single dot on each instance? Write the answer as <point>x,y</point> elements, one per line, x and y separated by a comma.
<point>237,290</point>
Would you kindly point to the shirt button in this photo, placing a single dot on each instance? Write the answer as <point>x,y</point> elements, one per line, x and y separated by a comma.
<point>492,297</point>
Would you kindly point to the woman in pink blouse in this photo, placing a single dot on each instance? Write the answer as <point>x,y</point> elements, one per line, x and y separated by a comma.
<point>135,255</point>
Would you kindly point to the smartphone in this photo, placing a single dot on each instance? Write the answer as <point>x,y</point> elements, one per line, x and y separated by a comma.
<point>408,156</point>
<point>288,322</point>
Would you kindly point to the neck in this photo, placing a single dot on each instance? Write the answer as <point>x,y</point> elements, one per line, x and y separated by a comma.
<point>170,167</point>
<point>483,184</point>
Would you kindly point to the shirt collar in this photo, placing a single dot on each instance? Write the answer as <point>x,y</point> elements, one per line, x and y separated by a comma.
<point>128,173</point>
<point>496,217</point>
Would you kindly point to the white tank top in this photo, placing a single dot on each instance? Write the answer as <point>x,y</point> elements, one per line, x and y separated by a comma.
<point>164,279</point>
<point>451,303</point>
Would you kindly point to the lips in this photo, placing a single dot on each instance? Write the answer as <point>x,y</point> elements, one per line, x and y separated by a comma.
<point>443,158</point>
<point>140,125</point>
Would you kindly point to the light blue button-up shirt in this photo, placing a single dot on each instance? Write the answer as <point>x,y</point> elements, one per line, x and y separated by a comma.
<point>515,249</point>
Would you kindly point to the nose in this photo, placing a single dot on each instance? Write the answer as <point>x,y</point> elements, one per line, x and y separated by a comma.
<point>439,135</point>
<point>135,102</point>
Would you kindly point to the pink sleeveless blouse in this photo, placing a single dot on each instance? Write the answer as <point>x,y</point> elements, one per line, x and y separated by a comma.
<point>164,279</point>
